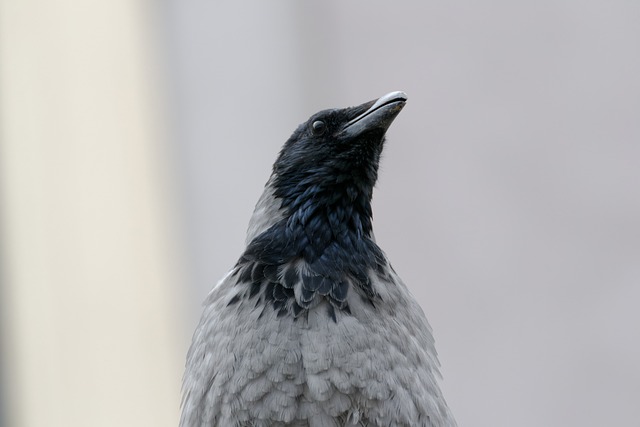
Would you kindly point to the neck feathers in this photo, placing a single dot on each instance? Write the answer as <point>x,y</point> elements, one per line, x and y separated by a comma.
<point>304,250</point>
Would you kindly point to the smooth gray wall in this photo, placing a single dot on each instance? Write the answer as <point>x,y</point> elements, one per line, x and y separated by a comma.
<point>508,197</point>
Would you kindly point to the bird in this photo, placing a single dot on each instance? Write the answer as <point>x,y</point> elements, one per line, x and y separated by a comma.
<point>312,326</point>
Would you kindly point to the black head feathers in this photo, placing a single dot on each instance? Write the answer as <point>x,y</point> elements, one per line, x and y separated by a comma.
<point>323,180</point>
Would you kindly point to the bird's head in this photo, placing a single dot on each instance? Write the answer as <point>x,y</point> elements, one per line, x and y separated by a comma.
<point>333,157</point>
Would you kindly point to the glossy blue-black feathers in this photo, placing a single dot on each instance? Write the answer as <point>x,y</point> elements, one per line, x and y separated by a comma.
<point>323,245</point>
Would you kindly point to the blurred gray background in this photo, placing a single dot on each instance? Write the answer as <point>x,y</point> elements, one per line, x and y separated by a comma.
<point>508,196</point>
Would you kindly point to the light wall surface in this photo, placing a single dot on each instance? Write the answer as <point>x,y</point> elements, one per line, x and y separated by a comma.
<point>508,198</point>
<point>136,137</point>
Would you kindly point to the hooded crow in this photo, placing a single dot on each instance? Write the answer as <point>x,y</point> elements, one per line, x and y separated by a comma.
<point>312,326</point>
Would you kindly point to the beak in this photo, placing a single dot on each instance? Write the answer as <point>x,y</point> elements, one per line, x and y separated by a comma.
<point>378,114</point>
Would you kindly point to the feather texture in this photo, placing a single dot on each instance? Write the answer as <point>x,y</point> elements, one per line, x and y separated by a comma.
<point>375,366</point>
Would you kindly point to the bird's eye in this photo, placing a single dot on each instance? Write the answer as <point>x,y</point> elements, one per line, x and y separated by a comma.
<point>319,127</point>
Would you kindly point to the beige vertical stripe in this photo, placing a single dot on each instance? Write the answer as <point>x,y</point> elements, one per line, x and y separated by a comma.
<point>88,299</point>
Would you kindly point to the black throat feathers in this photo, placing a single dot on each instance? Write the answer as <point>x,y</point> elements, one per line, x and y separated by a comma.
<point>322,249</point>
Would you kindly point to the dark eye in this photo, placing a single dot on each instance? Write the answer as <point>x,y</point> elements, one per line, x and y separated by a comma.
<point>319,127</point>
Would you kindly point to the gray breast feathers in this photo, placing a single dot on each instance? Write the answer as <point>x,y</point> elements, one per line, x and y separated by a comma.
<point>375,365</point>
